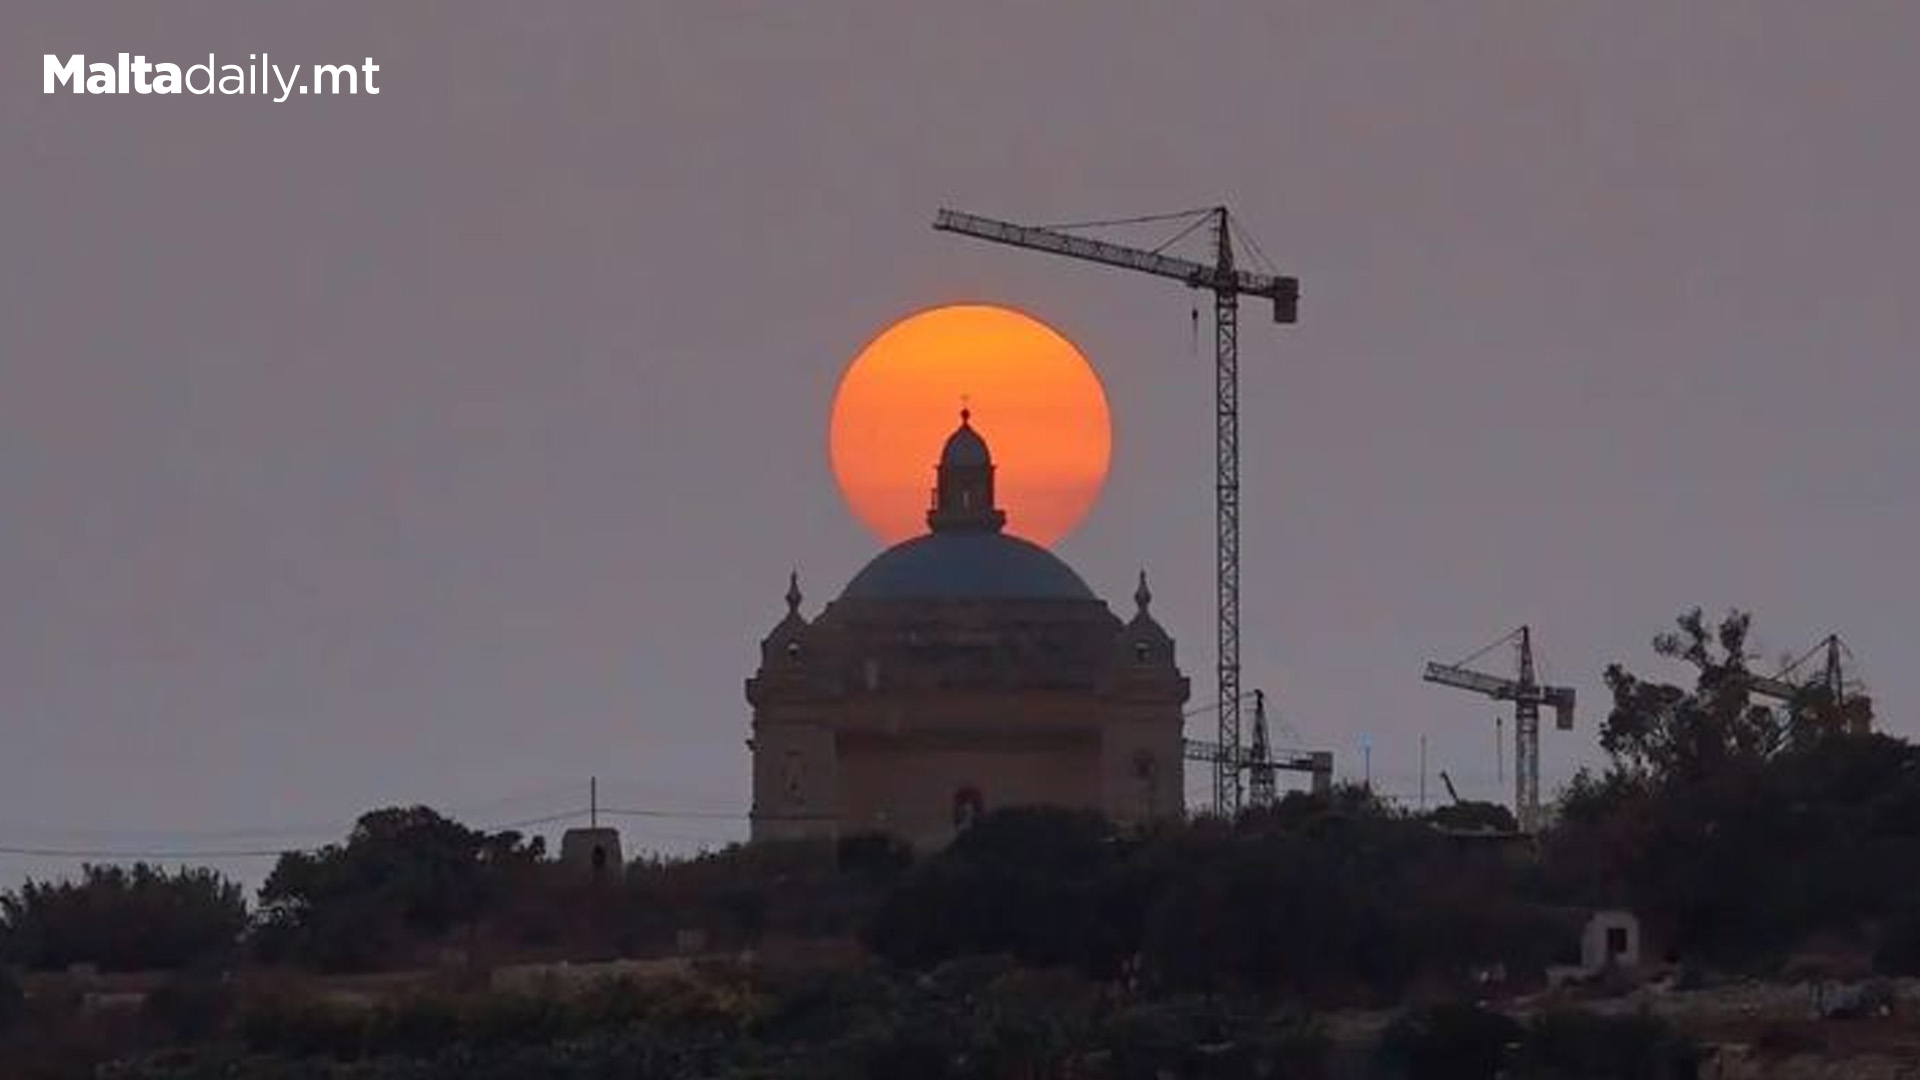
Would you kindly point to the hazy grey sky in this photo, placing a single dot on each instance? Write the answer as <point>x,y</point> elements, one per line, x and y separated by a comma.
<point>453,444</point>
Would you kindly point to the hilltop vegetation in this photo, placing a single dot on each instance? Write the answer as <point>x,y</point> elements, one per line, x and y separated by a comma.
<point>1041,941</point>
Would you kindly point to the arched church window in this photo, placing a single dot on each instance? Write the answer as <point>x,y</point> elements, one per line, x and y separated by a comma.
<point>1145,770</point>
<point>793,651</point>
<point>792,778</point>
<point>968,807</point>
<point>1141,652</point>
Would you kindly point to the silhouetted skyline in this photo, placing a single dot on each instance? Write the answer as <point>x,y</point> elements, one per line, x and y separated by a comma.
<point>454,444</point>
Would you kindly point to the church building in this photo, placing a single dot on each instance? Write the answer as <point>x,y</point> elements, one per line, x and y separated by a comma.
<point>961,671</point>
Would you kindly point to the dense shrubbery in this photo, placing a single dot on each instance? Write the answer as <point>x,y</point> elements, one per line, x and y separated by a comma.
<point>1474,816</point>
<point>1577,1045</point>
<point>13,1001</point>
<point>401,876</point>
<point>123,919</point>
<point>1331,900</point>
<point>981,1019</point>
<point>1037,884</point>
<point>1743,865</point>
<point>1899,951</point>
<point>1468,1042</point>
<point>1451,1042</point>
<point>189,1009</point>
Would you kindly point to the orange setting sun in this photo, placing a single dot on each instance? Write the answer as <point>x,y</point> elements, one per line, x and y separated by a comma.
<point>1034,398</point>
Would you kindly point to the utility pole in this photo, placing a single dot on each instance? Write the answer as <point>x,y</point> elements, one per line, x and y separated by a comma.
<point>1423,774</point>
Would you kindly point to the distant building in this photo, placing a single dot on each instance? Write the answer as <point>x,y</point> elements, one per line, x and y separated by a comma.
<point>1610,939</point>
<point>594,851</point>
<point>960,671</point>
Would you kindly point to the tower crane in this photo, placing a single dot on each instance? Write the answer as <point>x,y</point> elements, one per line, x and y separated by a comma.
<point>1262,762</point>
<point>1851,711</point>
<point>1527,695</point>
<point>1228,283</point>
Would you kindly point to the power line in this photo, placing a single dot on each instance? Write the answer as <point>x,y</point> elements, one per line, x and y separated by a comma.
<point>146,853</point>
<point>327,828</point>
<point>177,852</point>
<point>169,853</point>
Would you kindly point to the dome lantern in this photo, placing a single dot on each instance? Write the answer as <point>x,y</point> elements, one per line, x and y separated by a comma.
<point>963,491</point>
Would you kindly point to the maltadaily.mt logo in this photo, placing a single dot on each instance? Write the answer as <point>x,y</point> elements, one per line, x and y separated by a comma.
<point>134,74</point>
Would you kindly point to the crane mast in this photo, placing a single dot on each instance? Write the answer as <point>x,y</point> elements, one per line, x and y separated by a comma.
<point>1526,739</point>
<point>1527,695</point>
<point>1261,778</point>
<point>1227,282</point>
<point>1263,763</point>
<point>1226,525</point>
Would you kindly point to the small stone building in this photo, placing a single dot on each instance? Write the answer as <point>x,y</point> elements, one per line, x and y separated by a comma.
<point>1611,939</point>
<point>962,670</point>
<point>594,851</point>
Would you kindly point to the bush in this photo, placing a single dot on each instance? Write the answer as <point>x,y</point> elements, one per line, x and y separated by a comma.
<point>191,1010</point>
<point>1451,1042</point>
<point>879,855</point>
<point>1581,1044</point>
<point>1899,949</point>
<point>297,1029</point>
<point>1473,816</point>
<point>13,1000</point>
<point>1782,1040</point>
<point>1027,882</point>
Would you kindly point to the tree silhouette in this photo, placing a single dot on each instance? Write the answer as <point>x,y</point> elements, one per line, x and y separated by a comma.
<point>1668,734</point>
<point>402,874</point>
<point>124,918</point>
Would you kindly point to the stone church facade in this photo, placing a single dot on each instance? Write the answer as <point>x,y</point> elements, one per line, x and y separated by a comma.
<point>961,671</point>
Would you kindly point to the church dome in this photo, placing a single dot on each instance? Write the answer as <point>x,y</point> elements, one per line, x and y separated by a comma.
<point>966,556</point>
<point>967,565</point>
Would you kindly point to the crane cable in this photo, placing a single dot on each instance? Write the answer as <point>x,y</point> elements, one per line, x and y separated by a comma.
<point>1505,639</point>
<point>1145,219</point>
<point>1246,237</point>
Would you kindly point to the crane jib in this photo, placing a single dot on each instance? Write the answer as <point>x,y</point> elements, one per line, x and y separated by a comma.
<point>1224,281</point>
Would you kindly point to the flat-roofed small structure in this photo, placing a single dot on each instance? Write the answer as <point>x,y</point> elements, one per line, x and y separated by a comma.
<point>594,850</point>
<point>1611,939</point>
